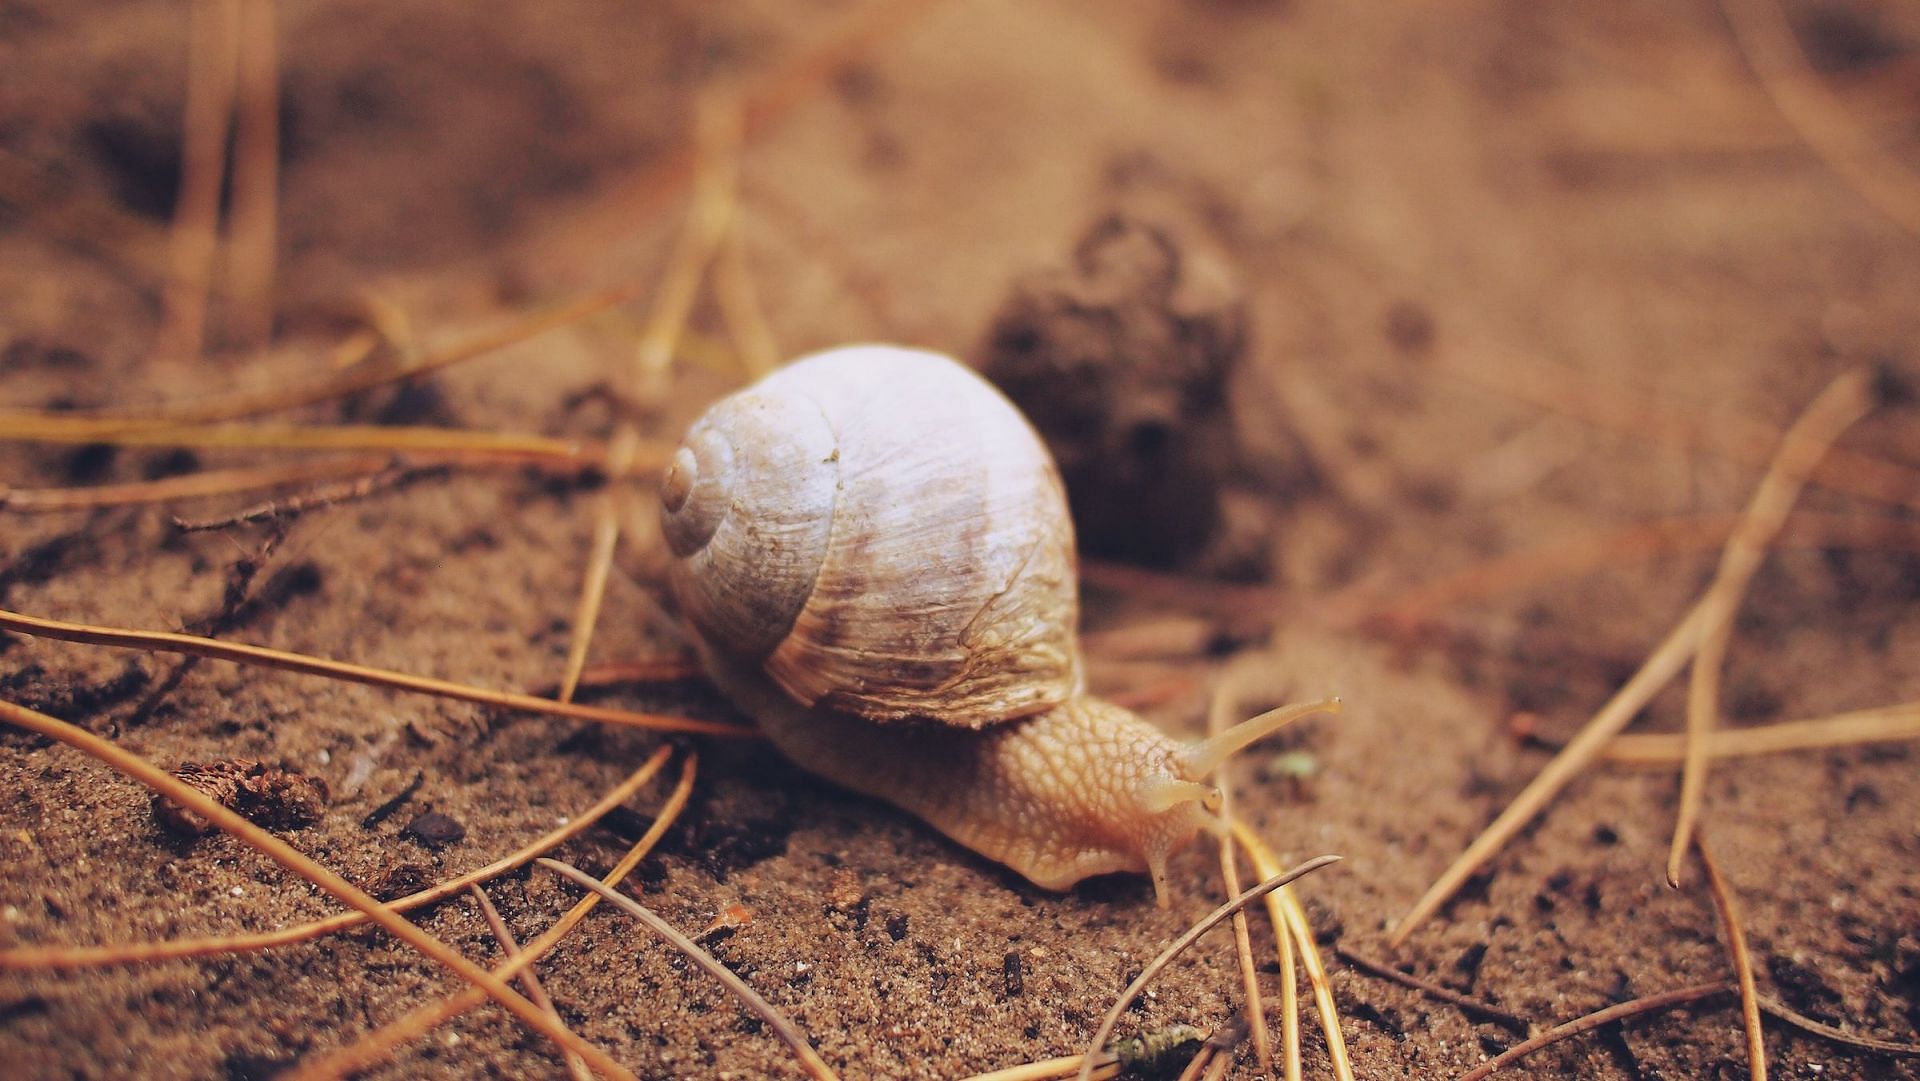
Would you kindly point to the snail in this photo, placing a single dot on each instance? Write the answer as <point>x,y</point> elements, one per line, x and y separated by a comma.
<point>873,555</point>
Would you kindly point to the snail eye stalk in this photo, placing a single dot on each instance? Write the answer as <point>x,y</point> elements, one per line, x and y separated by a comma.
<point>1201,757</point>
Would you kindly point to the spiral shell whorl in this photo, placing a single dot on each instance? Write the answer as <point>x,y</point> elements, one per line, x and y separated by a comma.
<point>892,540</point>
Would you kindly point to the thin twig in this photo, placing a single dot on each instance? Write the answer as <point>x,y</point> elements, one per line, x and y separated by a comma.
<point>1883,725</point>
<point>261,656</point>
<point>1729,910</point>
<point>1179,945</point>
<point>64,957</point>
<point>229,821</point>
<point>1843,400</point>
<point>327,495</point>
<point>376,1045</point>
<point>1664,1000</point>
<point>576,1066</point>
<point>781,1024</point>
<point>1484,1010</point>
<point>234,604</point>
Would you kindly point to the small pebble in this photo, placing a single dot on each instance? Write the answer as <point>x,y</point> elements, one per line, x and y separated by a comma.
<point>238,891</point>
<point>434,829</point>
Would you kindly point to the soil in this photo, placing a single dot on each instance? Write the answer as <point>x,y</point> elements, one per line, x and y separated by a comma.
<point>1459,234</point>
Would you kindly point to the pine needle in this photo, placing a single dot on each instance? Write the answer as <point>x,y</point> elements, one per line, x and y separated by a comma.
<point>212,64</point>
<point>486,985</point>
<point>63,957</point>
<point>1729,910</point>
<point>1226,700</point>
<point>253,241</point>
<point>1664,1000</point>
<point>781,1024</point>
<point>261,656</point>
<point>1825,123</point>
<point>1843,400</point>
<point>203,484</point>
<point>371,1048</point>
<point>576,1066</point>
<point>1290,922</point>
<point>1882,725</point>
<point>1179,946</point>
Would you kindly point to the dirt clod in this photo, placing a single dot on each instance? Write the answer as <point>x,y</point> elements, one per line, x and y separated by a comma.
<point>277,799</point>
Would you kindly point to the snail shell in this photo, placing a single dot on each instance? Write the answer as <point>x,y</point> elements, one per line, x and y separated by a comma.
<point>873,536</point>
<point>808,544</point>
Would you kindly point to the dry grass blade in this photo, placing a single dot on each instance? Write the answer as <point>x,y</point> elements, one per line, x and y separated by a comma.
<point>252,247</point>
<point>781,1024</point>
<point>159,780</point>
<point>198,485</point>
<point>1826,124</point>
<point>576,1066</point>
<point>1729,911</point>
<point>1484,1010</point>
<point>1836,407</point>
<point>1104,1068</point>
<point>41,957</point>
<point>1882,725</point>
<point>1665,1000</point>
<point>376,1045</point>
<point>260,656</point>
<point>212,76</point>
<point>1845,400</point>
<point>1179,946</point>
<point>1290,922</point>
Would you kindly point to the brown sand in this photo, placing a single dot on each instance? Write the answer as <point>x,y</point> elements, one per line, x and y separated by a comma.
<point>1429,207</point>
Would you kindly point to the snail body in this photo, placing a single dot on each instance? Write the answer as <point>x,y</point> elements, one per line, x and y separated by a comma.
<point>873,555</point>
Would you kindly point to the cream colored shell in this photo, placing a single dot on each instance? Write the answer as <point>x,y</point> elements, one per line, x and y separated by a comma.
<point>881,533</point>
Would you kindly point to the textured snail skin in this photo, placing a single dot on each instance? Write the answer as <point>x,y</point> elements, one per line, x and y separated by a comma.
<point>1056,796</point>
<point>875,561</point>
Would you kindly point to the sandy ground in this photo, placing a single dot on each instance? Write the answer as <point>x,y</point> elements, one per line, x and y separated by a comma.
<point>1432,218</point>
